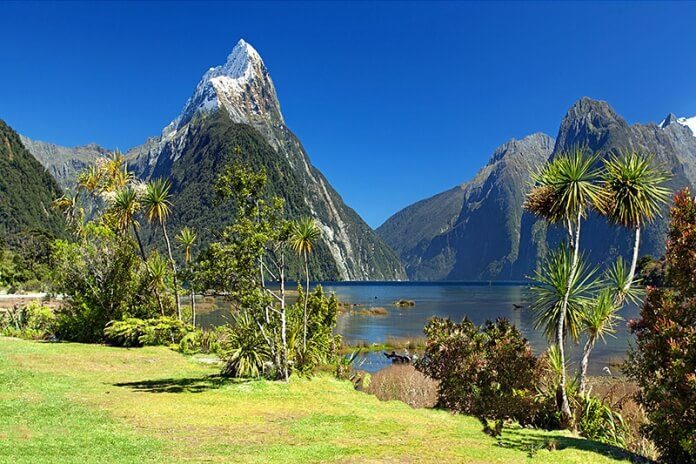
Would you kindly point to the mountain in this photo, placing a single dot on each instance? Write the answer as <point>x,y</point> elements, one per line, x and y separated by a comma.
<point>479,230</point>
<point>64,163</point>
<point>595,124</point>
<point>234,113</point>
<point>26,192</point>
<point>473,230</point>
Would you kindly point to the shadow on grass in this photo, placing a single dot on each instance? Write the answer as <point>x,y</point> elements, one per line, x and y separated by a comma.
<point>180,385</point>
<point>531,443</point>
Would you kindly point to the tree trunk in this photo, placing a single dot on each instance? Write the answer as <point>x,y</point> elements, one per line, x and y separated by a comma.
<point>140,243</point>
<point>304,337</point>
<point>589,345</point>
<point>283,321</point>
<point>193,306</point>
<point>173,265</point>
<point>560,330</point>
<point>634,261</point>
<point>142,254</point>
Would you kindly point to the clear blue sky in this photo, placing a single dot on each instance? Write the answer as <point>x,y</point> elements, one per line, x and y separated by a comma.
<point>394,101</point>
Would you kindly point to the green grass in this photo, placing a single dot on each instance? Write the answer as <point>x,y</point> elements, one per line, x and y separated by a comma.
<point>94,404</point>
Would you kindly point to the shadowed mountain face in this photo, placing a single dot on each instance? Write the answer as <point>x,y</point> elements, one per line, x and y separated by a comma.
<point>479,230</point>
<point>471,231</point>
<point>26,193</point>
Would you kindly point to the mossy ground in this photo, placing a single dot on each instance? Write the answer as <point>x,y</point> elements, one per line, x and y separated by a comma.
<point>64,403</point>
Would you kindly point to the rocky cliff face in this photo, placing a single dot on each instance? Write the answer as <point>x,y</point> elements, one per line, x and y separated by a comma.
<point>64,163</point>
<point>241,92</point>
<point>479,231</point>
<point>471,231</point>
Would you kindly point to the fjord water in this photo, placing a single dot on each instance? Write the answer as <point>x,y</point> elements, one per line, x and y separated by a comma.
<point>478,301</point>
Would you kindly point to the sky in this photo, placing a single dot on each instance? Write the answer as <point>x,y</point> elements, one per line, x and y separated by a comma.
<point>394,102</point>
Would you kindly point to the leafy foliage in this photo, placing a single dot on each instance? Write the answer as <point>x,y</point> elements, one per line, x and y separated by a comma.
<point>599,422</point>
<point>566,187</point>
<point>26,266</point>
<point>32,320</point>
<point>633,189</point>
<point>485,371</point>
<point>663,361</point>
<point>553,281</point>
<point>141,332</point>
<point>27,193</point>
<point>102,281</point>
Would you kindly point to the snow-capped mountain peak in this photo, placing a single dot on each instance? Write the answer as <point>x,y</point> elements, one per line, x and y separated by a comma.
<point>242,85</point>
<point>688,122</point>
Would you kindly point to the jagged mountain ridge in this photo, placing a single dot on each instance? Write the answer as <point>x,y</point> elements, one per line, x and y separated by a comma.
<point>595,124</point>
<point>64,163</point>
<point>242,91</point>
<point>26,193</point>
<point>444,248</point>
<point>470,231</point>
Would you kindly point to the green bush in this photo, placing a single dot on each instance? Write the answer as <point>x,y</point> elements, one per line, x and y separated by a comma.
<point>597,421</point>
<point>33,321</point>
<point>663,360</point>
<point>103,280</point>
<point>485,371</point>
<point>140,332</point>
<point>212,341</point>
<point>249,355</point>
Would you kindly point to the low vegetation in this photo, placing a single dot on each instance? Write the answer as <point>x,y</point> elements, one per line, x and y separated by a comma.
<point>154,405</point>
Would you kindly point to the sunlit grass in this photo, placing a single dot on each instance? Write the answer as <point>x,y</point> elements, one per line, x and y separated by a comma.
<point>85,403</point>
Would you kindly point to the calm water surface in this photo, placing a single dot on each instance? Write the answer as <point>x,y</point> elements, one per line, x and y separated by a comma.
<point>478,301</point>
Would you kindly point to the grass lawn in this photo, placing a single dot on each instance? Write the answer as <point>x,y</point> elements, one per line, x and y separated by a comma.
<point>73,403</point>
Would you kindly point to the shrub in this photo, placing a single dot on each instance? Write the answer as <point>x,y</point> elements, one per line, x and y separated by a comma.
<point>204,341</point>
<point>249,355</point>
<point>663,362</point>
<point>139,332</point>
<point>598,421</point>
<point>485,371</point>
<point>404,383</point>
<point>103,280</point>
<point>33,321</point>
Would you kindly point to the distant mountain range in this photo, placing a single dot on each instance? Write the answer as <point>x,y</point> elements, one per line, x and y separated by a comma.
<point>474,231</point>
<point>478,230</point>
<point>235,106</point>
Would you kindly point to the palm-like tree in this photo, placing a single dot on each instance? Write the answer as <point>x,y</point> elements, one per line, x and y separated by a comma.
<point>634,195</point>
<point>599,320</point>
<point>126,205</point>
<point>157,209</point>
<point>124,209</point>
<point>90,179</point>
<point>115,172</point>
<point>157,270</point>
<point>551,289</point>
<point>69,205</point>
<point>565,190</point>
<point>303,238</point>
<point>622,285</point>
<point>187,238</point>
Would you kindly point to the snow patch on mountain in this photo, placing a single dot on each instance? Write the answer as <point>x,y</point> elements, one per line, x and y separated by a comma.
<point>688,122</point>
<point>242,85</point>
